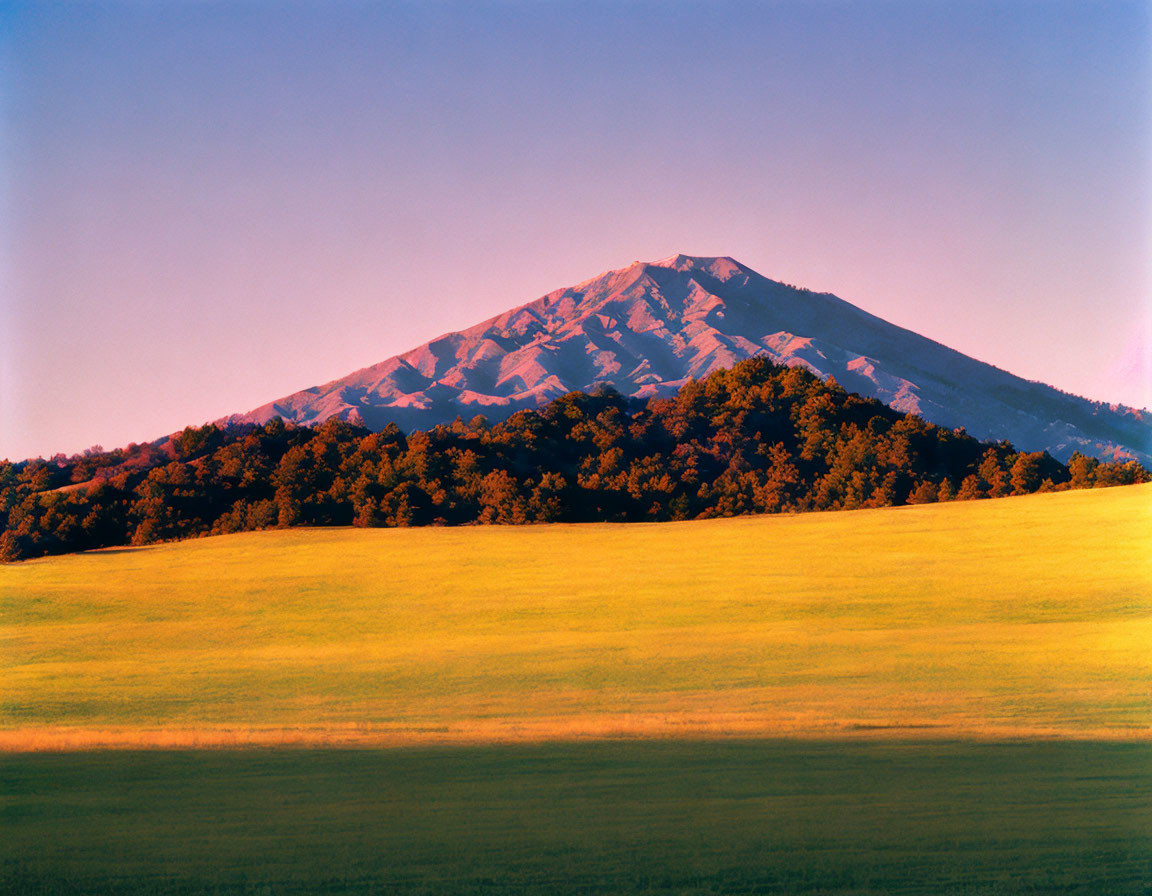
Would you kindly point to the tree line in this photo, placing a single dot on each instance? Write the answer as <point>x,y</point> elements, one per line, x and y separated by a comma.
<point>758,438</point>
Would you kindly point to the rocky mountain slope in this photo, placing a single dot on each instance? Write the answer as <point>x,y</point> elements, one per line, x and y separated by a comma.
<point>650,327</point>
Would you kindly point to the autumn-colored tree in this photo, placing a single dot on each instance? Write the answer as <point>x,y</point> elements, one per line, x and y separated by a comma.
<point>996,482</point>
<point>1082,470</point>
<point>970,489</point>
<point>927,492</point>
<point>1025,475</point>
<point>549,501</point>
<point>1120,473</point>
<point>11,548</point>
<point>781,480</point>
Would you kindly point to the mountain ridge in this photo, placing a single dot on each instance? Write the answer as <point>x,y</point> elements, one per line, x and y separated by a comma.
<point>648,328</point>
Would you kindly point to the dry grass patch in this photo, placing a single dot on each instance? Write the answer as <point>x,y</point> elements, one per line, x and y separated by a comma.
<point>1021,616</point>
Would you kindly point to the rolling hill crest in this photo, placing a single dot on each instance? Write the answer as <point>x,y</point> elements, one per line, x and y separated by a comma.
<point>649,328</point>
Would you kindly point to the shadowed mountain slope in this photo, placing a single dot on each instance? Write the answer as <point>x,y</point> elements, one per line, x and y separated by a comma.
<point>648,328</point>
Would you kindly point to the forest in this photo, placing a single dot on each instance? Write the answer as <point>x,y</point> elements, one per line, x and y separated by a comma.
<point>758,438</point>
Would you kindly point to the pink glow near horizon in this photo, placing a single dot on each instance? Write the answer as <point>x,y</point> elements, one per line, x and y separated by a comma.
<point>213,207</point>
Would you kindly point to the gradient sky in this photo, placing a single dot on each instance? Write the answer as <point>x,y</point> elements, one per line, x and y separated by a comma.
<point>205,206</point>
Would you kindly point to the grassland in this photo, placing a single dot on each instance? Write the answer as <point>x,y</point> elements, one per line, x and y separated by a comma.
<point>948,699</point>
<point>684,817</point>
<point>1016,617</point>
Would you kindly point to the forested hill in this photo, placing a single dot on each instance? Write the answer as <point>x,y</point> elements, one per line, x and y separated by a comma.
<point>758,438</point>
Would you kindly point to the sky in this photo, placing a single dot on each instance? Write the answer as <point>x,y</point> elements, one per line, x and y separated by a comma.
<point>205,206</point>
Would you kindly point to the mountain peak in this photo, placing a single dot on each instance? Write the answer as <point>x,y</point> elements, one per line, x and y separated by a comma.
<point>712,264</point>
<point>648,328</point>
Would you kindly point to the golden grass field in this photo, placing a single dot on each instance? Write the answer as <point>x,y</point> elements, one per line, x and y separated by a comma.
<point>1017,617</point>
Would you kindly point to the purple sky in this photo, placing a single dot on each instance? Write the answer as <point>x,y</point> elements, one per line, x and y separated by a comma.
<point>205,206</point>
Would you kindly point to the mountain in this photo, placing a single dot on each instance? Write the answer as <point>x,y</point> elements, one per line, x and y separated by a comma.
<point>648,328</point>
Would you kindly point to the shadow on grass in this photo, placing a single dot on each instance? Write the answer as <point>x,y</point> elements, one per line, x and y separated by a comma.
<point>621,817</point>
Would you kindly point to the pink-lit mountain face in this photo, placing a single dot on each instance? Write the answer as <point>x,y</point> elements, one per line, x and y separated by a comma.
<point>649,328</point>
